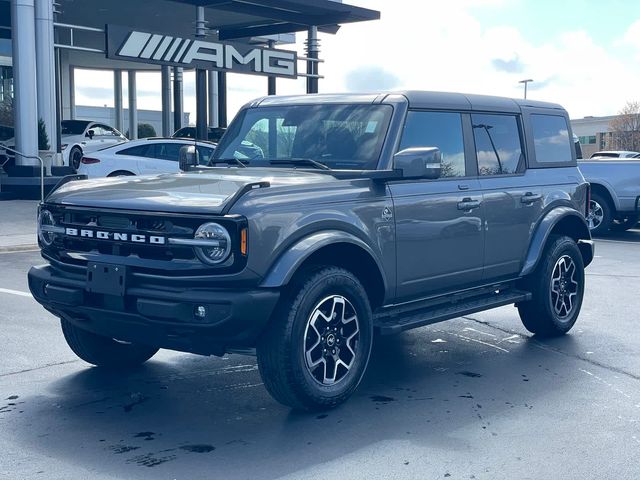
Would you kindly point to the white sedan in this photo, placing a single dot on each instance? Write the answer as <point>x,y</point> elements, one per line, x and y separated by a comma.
<point>149,156</point>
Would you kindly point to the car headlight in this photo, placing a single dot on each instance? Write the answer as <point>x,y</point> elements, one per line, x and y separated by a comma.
<point>46,227</point>
<point>220,240</point>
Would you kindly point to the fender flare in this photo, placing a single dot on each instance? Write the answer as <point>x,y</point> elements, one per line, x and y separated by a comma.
<point>544,229</point>
<point>288,263</point>
<point>609,189</point>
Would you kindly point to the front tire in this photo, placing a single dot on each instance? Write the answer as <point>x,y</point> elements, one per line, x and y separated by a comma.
<point>316,349</point>
<point>104,351</point>
<point>75,155</point>
<point>557,288</point>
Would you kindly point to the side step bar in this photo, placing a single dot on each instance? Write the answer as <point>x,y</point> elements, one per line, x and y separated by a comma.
<point>409,320</point>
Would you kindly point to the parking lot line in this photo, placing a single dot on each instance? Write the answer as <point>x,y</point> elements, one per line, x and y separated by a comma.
<point>15,292</point>
<point>616,241</point>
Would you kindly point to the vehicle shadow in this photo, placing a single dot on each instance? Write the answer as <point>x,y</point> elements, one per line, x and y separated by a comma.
<point>627,236</point>
<point>204,417</point>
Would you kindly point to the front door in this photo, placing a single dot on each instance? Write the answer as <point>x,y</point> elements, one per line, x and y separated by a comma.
<point>439,236</point>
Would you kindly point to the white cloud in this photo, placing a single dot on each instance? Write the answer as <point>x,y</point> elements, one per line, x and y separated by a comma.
<point>442,46</point>
<point>632,35</point>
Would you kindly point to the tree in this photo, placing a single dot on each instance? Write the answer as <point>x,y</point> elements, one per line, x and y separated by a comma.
<point>145,130</point>
<point>625,128</point>
<point>43,137</point>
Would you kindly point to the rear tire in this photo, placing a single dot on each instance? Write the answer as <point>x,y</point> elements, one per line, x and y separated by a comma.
<point>121,173</point>
<point>600,215</point>
<point>315,351</point>
<point>557,288</point>
<point>104,351</point>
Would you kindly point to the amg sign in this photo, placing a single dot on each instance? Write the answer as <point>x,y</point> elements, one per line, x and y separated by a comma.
<point>123,43</point>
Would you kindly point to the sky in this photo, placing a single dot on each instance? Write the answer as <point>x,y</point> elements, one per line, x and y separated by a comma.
<point>582,54</point>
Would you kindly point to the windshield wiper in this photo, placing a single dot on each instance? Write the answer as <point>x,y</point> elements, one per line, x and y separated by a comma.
<point>228,161</point>
<point>300,161</point>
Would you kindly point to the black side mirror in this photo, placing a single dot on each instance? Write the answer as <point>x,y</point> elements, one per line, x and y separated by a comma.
<point>90,133</point>
<point>419,162</point>
<point>188,158</point>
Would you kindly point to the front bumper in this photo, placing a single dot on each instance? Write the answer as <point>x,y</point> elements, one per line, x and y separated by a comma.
<point>163,316</point>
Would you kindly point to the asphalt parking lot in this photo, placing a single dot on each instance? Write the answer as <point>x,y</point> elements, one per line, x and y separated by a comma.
<point>475,397</point>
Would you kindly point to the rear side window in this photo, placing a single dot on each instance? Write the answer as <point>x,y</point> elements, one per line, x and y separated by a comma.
<point>137,151</point>
<point>498,144</point>
<point>551,139</point>
<point>437,129</point>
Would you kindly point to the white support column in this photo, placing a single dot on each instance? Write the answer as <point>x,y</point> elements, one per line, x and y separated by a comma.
<point>46,70</point>
<point>72,92</point>
<point>165,74</point>
<point>213,99</point>
<point>24,77</point>
<point>133,106</point>
<point>117,98</point>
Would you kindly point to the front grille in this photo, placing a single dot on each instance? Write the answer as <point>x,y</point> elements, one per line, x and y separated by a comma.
<point>78,250</point>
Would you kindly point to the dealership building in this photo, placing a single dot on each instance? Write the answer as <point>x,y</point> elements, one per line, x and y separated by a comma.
<point>43,42</point>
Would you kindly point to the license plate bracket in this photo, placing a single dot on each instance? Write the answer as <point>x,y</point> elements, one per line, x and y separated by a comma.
<point>106,278</point>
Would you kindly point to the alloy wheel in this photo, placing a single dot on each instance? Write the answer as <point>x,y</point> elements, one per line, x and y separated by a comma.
<point>564,287</point>
<point>596,215</point>
<point>331,340</point>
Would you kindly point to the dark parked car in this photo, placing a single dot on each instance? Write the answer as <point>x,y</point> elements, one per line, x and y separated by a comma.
<point>379,212</point>
<point>214,134</point>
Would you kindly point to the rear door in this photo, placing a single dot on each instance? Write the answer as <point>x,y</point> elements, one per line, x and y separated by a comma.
<point>439,237</point>
<point>512,201</point>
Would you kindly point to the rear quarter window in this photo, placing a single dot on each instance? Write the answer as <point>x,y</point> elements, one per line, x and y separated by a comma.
<point>551,139</point>
<point>137,151</point>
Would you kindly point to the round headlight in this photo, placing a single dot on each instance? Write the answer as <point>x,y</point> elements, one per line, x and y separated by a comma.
<point>45,218</point>
<point>220,241</point>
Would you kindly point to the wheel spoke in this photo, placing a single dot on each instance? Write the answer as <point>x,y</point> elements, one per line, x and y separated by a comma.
<point>331,339</point>
<point>564,286</point>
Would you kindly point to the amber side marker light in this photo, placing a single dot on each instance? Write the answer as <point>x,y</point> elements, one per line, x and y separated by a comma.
<point>243,241</point>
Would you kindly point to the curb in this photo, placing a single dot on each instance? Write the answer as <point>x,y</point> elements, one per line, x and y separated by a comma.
<point>19,248</point>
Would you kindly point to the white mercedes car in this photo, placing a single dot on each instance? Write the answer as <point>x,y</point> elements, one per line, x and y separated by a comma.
<point>149,156</point>
<point>82,136</point>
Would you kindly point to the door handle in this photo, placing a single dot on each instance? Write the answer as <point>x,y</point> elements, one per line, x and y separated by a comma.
<point>463,186</point>
<point>467,204</point>
<point>529,198</point>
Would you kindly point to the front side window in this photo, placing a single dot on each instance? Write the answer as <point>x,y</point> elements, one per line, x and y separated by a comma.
<point>498,144</point>
<point>437,129</point>
<point>347,137</point>
<point>204,154</point>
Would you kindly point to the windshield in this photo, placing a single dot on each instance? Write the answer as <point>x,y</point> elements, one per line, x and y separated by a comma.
<point>347,137</point>
<point>73,127</point>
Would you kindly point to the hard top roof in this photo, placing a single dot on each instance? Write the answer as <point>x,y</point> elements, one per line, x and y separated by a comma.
<point>416,99</point>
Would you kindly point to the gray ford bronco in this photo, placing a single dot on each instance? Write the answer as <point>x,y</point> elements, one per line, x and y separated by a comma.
<point>355,214</point>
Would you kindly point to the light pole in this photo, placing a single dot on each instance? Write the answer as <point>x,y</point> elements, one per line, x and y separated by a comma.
<point>525,85</point>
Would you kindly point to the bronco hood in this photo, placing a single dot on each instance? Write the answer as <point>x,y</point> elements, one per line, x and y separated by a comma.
<point>204,191</point>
